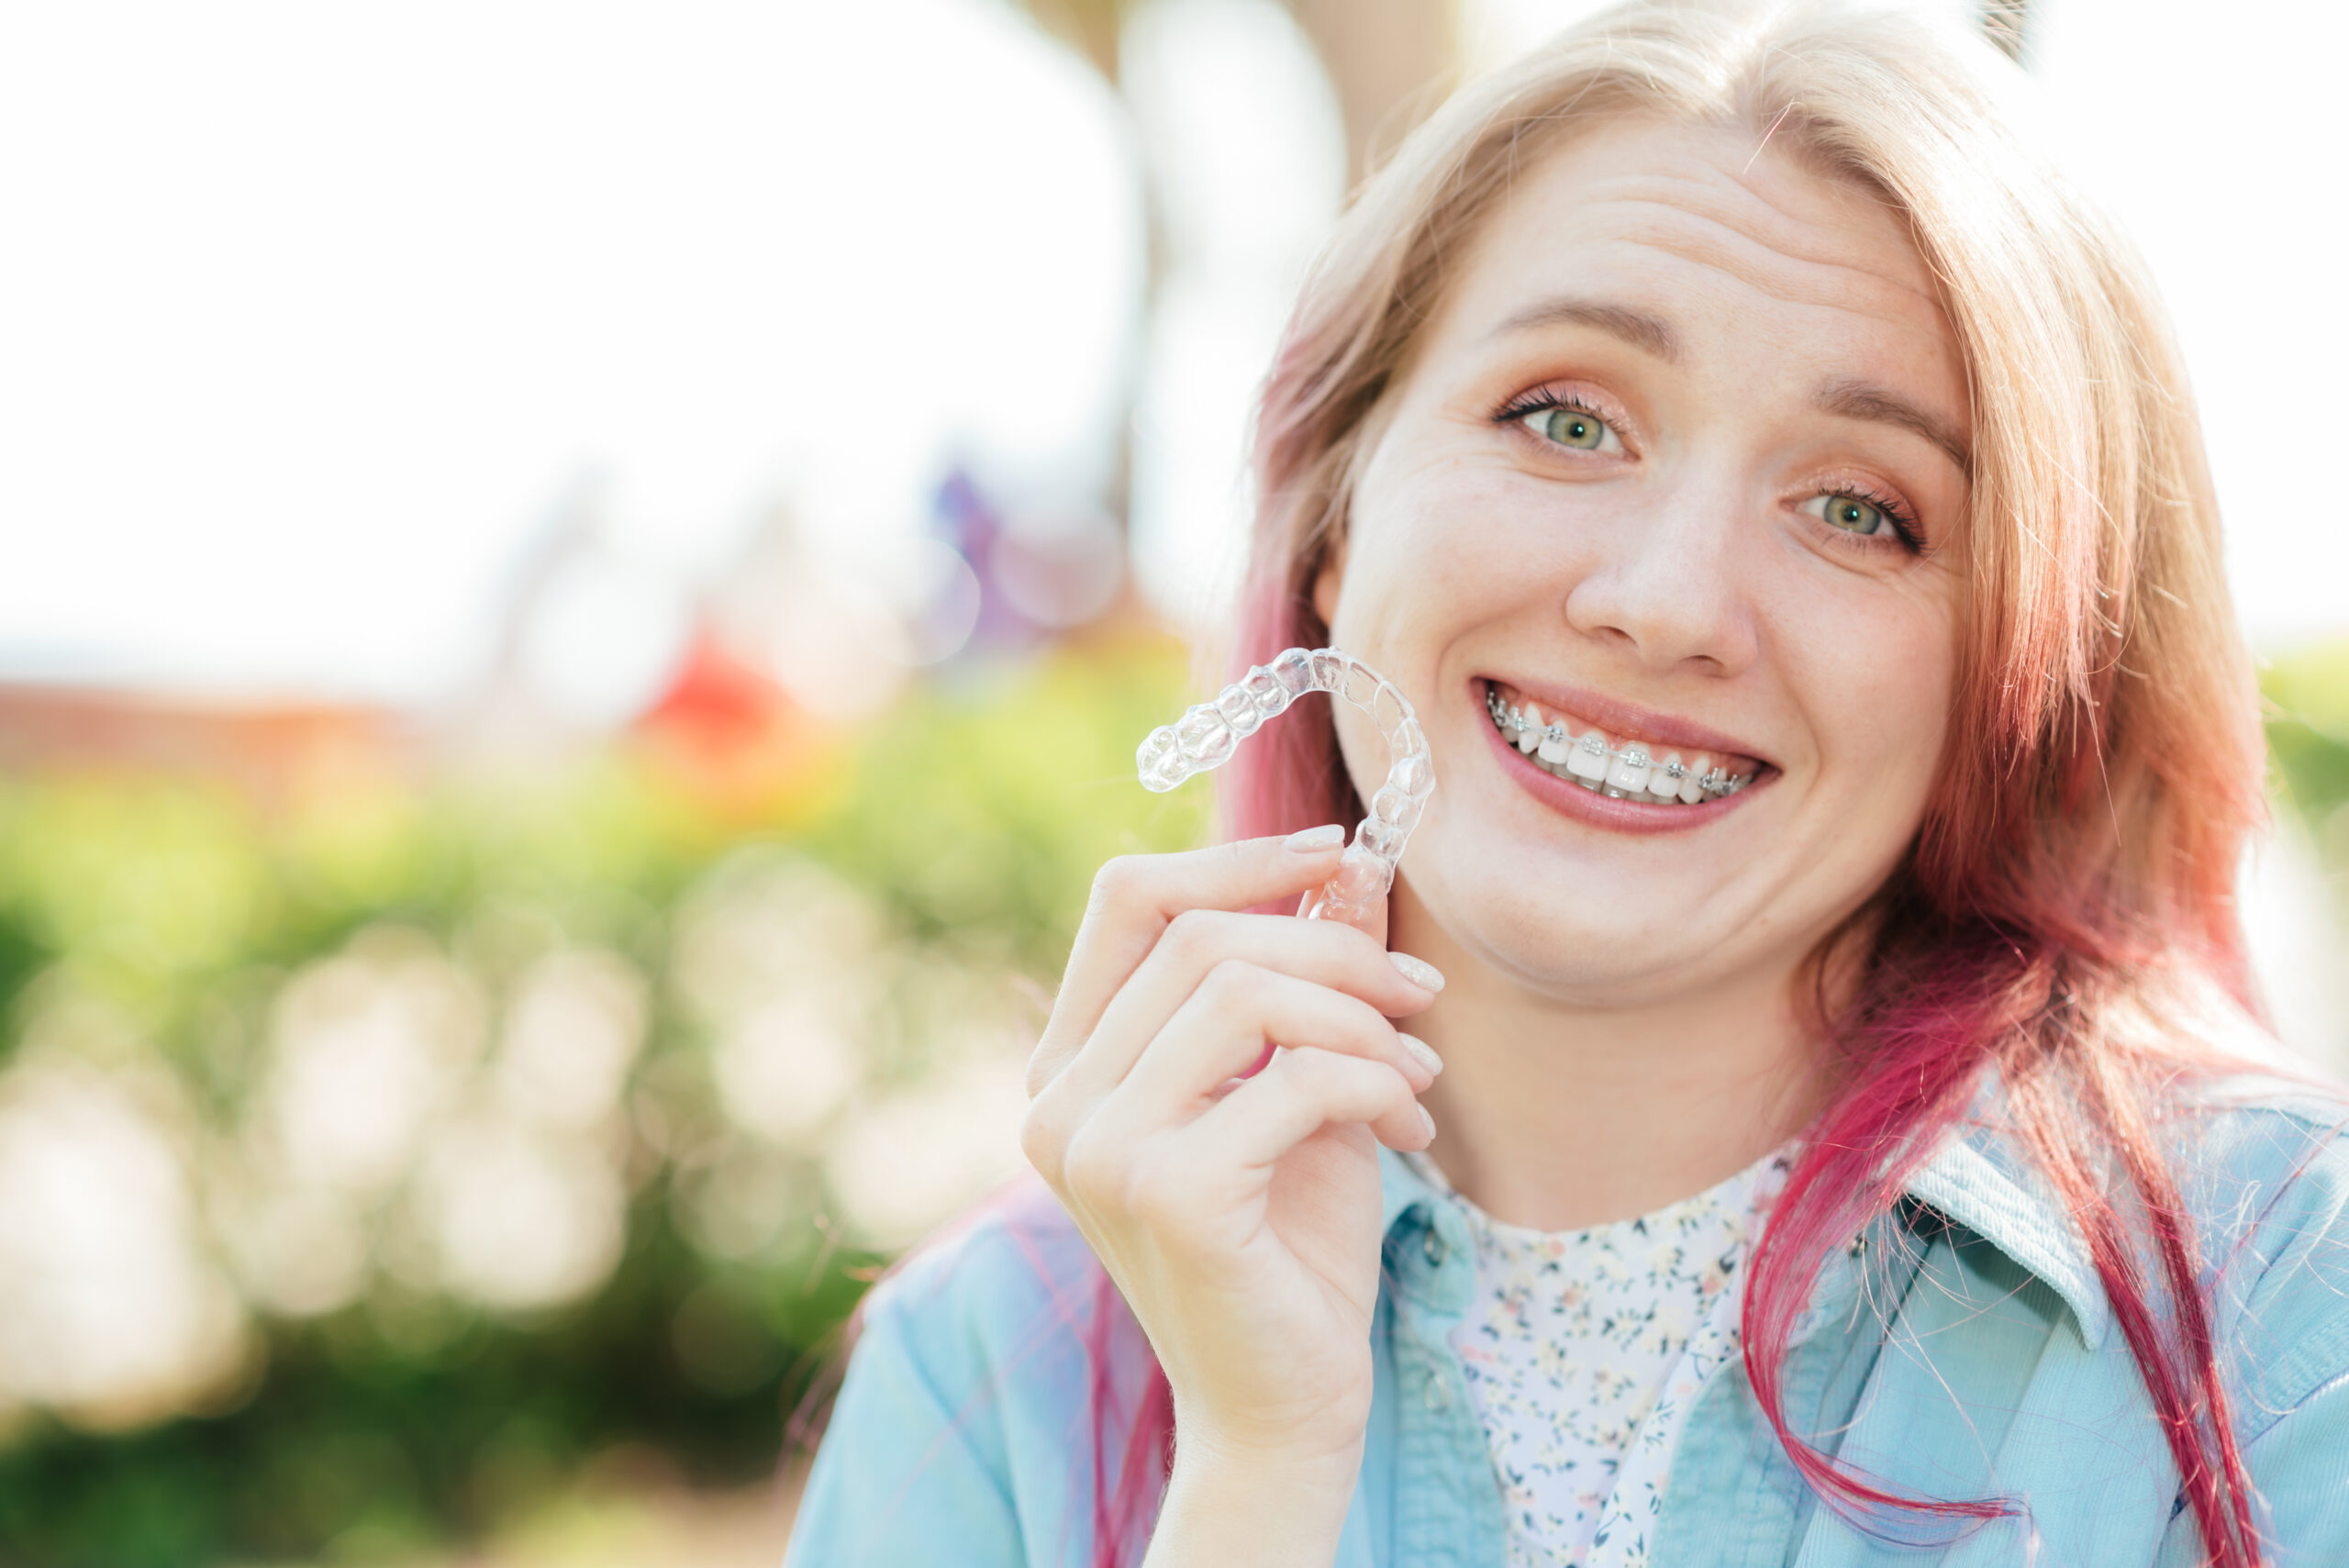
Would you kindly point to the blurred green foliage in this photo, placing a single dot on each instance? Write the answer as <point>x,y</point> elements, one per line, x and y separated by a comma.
<point>2307,740</point>
<point>971,817</point>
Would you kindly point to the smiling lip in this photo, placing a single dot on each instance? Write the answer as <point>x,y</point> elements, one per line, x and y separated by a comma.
<point>1570,799</point>
<point>1622,720</point>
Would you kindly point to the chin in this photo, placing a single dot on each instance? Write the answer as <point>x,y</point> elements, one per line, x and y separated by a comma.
<point>1587,938</point>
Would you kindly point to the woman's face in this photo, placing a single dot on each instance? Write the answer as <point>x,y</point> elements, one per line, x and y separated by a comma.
<point>1680,461</point>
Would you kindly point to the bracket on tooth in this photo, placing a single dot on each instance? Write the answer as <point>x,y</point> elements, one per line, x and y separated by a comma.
<point>1634,755</point>
<point>1208,732</point>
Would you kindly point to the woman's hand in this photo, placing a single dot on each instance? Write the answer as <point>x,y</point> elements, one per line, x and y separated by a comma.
<point>1238,1214</point>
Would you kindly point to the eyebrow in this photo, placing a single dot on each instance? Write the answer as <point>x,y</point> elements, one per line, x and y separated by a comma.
<point>1846,399</point>
<point>1865,400</point>
<point>1635,327</point>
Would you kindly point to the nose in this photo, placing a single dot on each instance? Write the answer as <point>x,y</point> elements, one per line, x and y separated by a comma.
<point>1669,587</point>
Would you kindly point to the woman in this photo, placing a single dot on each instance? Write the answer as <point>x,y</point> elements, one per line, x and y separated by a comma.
<point>1729,382</point>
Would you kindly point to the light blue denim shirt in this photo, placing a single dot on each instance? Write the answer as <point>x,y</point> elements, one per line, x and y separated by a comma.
<point>1962,1348</point>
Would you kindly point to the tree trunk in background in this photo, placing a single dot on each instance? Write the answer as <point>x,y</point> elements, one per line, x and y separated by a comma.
<point>1391,61</point>
<point>1090,26</point>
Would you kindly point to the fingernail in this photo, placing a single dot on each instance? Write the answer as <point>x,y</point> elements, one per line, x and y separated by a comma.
<point>1427,1122</point>
<point>1420,1052</point>
<point>1419,972</point>
<point>1314,840</point>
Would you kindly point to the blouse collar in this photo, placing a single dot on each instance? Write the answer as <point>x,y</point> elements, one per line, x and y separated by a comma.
<point>1978,1177</point>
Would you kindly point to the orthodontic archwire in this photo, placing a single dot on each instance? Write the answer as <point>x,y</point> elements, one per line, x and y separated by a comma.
<point>1209,732</point>
<point>1631,756</point>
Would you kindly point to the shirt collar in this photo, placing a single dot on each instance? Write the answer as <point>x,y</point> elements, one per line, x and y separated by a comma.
<point>1401,1189</point>
<point>1977,1176</point>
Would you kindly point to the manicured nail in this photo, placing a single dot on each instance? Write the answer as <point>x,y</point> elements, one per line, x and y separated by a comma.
<point>1427,1122</point>
<point>1316,841</point>
<point>1420,1052</point>
<point>1419,972</point>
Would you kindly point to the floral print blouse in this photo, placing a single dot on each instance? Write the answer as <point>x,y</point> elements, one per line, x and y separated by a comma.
<point>1583,1350</point>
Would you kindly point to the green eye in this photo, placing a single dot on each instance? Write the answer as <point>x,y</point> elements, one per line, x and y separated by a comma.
<point>1571,427</point>
<point>1854,515</point>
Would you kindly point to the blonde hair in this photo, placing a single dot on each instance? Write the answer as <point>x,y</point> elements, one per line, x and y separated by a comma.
<point>2093,552</point>
<point>2074,874</point>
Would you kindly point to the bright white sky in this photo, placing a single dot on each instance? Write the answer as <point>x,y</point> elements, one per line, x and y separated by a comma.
<point>2218,137</point>
<point>310,314</point>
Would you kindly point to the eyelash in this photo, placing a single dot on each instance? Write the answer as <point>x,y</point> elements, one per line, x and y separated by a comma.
<point>1903,518</point>
<point>1537,399</point>
<point>1896,511</point>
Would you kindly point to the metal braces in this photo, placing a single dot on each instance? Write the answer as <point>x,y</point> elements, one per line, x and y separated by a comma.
<point>1511,719</point>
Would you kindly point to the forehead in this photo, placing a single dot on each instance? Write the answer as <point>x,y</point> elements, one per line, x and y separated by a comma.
<point>1727,243</point>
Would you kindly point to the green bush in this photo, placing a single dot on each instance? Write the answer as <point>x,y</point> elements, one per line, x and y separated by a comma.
<point>162,942</point>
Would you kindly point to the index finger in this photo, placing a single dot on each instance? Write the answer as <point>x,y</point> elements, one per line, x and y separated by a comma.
<point>1134,897</point>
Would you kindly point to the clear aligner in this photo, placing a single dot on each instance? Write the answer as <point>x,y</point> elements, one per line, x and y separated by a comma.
<point>1208,732</point>
<point>1631,758</point>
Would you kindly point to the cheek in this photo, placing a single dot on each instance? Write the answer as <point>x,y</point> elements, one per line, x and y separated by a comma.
<point>1419,543</point>
<point>1875,668</point>
<point>1443,527</point>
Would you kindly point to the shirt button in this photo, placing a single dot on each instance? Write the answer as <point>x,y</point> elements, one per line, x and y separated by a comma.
<point>1439,1395</point>
<point>1434,1246</point>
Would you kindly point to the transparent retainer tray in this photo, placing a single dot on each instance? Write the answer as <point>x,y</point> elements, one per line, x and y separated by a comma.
<point>1209,732</point>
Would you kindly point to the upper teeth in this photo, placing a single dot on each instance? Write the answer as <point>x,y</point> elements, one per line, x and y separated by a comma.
<point>1626,772</point>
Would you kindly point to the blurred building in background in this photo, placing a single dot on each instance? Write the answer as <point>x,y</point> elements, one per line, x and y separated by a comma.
<point>583,583</point>
<point>272,752</point>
